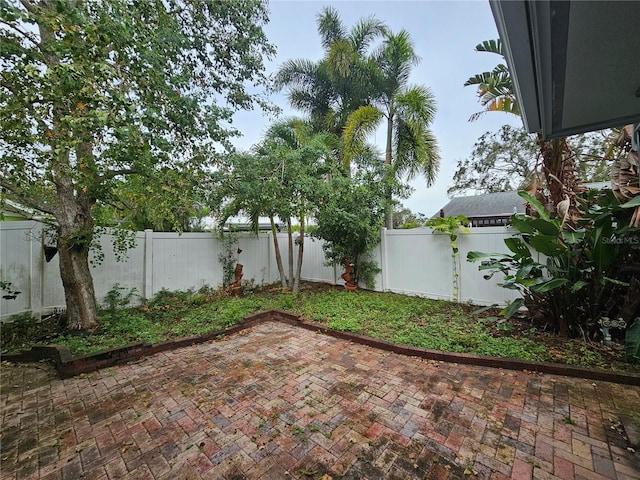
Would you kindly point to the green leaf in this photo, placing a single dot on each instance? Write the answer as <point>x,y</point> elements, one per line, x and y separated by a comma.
<point>573,238</point>
<point>517,246</point>
<point>475,256</point>
<point>533,201</point>
<point>578,285</point>
<point>616,282</point>
<point>522,223</point>
<point>547,246</point>
<point>550,285</point>
<point>632,341</point>
<point>512,308</point>
<point>546,227</point>
<point>634,202</point>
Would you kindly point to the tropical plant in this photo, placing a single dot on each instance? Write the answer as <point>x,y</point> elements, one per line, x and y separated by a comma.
<point>94,91</point>
<point>411,148</point>
<point>331,89</point>
<point>495,88</point>
<point>451,226</point>
<point>283,178</point>
<point>496,94</point>
<point>349,221</point>
<point>571,277</point>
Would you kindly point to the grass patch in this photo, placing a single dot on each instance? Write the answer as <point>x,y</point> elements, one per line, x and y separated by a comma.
<point>400,319</point>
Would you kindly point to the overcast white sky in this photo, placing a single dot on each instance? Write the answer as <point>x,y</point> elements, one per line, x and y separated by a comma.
<point>444,34</point>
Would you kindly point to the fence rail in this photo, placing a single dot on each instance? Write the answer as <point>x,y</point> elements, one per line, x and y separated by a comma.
<point>415,262</point>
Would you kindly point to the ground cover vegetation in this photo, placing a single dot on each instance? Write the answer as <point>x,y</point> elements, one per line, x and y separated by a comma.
<point>400,319</point>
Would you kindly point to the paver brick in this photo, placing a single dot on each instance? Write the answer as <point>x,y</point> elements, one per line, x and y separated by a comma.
<point>277,401</point>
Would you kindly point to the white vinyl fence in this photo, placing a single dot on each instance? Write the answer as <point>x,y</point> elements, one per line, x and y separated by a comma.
<point>415,262</point>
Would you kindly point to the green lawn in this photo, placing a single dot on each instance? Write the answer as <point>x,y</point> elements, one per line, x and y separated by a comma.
<point>431,324</point>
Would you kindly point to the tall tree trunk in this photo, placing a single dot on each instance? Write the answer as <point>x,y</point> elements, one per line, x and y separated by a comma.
<point>296,282</point>
<point>75,223</point>
<point>290,233</point>
<point>559,170</point>
<point>552,160</point>
<point>75,233</point>
<point>276,246</point>
<point>388,159</point>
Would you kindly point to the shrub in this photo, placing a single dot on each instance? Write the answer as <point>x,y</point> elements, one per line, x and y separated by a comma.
<point>571,275</point>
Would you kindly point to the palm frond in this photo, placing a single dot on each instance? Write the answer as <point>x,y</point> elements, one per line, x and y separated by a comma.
<point>416,104</point>
<point>360,124</point>
<point>341,59</point>
<point>490,46</point>
<point>330,26</point>
<point>365,31</point>
<point>295,72</point>
<point>416,151</point>
<point>396,58</point>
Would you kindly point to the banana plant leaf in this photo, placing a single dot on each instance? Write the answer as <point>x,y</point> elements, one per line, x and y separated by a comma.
<point>632,342</point>
<point>475,256</point>
<point>550,285</point>
<point>535,203</point>
<point>517,246</point>
<point>635,202</point>
<point>547,246</point>
<point>513,307</point>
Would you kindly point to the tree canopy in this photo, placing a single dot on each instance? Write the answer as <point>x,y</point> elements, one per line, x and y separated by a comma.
<point>93,91</point>
<point>284,177</point>
<point>356,85</point>
<point>506,160</point>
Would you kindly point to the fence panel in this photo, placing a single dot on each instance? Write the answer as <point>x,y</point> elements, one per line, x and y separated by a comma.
<point>418,263</point>
<point>313,267</point>
<point>20,264</point>
<point>473,287</point>
<point>415,262</point>
<point>256,250</point>
<point>181,262</point>
<point>126,271</point>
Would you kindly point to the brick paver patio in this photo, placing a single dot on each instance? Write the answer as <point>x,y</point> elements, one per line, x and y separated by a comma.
<point>279,402</point>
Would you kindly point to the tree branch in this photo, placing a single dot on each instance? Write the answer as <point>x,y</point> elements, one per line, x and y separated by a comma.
<point>27,201</point>
<point>26,35</point>
<point>28,5</point>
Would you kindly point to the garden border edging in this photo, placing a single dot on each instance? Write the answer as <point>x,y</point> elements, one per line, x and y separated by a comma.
<point>69,366</point>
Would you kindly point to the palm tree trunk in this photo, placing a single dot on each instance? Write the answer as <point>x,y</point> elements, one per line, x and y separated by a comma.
<point>388,159</point>
<point>296,282</point>
<point>274,232</point>
<point>552,156</point>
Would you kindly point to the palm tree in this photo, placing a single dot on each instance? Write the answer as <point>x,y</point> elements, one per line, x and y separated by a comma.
<point>496,94</point>
<point>331,89</point>
<point>495,90</point>
<point>411,148</point>
<point>283,177</point>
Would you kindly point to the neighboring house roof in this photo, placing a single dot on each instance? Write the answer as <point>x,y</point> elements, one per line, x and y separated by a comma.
<point>12,211</point>
<point>487,205</point>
